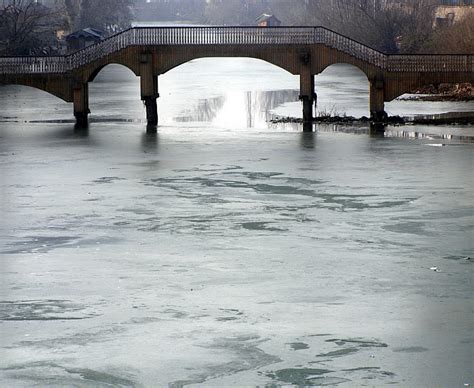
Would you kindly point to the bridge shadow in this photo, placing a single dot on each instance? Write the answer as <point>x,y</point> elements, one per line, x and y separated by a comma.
<point>308,140</point>
<point>150,141</point>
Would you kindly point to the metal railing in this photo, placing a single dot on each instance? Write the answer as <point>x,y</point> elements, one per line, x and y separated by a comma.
<point>270,36</point>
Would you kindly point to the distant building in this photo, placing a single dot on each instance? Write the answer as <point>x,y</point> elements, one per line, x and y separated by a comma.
<point>266,20</point>
<point>83,38</point>
<point>452,11</point>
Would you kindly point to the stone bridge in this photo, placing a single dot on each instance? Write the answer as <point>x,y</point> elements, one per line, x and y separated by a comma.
<point>304,51</point>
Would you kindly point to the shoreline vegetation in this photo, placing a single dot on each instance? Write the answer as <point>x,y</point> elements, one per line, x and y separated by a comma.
<point>451,118</point>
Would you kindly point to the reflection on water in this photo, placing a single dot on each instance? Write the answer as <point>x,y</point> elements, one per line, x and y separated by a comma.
<point>204,111</point>
<point>248,109</point>
<point>463,134</point>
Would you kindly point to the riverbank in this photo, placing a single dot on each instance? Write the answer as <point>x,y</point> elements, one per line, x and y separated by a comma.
<point>443,92</point>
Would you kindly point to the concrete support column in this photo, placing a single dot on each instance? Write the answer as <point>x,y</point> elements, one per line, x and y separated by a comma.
<point>308,97</point>
<point>149,91</point>
<point>81,104</point>
<point>377,100</point>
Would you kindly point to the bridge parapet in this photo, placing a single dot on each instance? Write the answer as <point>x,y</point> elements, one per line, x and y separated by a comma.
<point>235,36</point>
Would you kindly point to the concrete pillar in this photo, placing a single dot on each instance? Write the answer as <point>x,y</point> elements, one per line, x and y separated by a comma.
<point>81,104</point>
<point>308,97</point>
<point>377,100</point>
<point>149,91</point>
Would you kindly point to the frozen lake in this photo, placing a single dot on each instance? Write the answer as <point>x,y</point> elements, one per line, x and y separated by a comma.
<point>226,251</point>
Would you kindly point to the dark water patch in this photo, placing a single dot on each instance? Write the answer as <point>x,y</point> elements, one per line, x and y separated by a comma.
<point>330,201</point>
<point>176,314</point>
<point>359,342</point>
<point>138,211</point>
<point>95,335</point>
<point>143,320</point>
<point>122,223</point>
<point>257,175</point>
<point>339,353</point>
<point>300,377</point>
<point>462,259</point>
<point>289,208</point>
<point>226,319</point>
<point>218,168</point>
<point>261,226</point>
<point>234,311</point>
<point>281,190</point>
<point>98,241</point>
<point>370,373</point>
<point>230,315</point>
<point>304,181</point>
<point>40,244</point>
<point>43,310</point>
<point>410,349</point>
<point>412,227</point>
<point>97,377</point>
<point>362,369</point>
<point>108,179</point>
<point>390,204</point>
<point>298,346</point>
<point>177,183</point>
<point>247,357</point>
<point>52,374</point>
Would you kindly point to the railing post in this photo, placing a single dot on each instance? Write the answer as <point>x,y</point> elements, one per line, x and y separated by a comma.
<point>149,90</point>
<point>377,99</point>
<point>307,93</point>
<point>81,104</point>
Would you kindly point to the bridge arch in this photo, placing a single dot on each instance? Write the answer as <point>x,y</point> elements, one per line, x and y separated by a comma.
<point>330,66</point>
<point>54,86</point>
<point>94,72</point>
<point>230,60</point>
<point>352,95</point>
<point>167,58</point>
<point>105,93</point>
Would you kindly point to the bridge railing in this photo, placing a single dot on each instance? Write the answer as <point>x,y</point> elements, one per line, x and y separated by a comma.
<point>32,65</point>
<point>152,36</point>
<point>431,63</point>
<point>223,35</point>
<point>351,47</point>
<point>99,50</point>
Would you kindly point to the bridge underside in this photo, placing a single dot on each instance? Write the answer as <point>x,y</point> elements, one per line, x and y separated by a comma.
<point>148,62</point>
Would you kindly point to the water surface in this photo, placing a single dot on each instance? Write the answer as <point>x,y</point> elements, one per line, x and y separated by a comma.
<point>227,251</point>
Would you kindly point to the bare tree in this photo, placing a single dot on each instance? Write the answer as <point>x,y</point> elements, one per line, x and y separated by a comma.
<point>106,15</point>
<point>387,25</point>
<point>27,27</point>
<point>455,39</point>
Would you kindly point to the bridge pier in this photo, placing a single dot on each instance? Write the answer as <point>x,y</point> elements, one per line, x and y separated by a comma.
<point>151,112</point>
<point>81,104</point>
<point>149,91</point>
<point>308,98</point>
<point>377,100</point>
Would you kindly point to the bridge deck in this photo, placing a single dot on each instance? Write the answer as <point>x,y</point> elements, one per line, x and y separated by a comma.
<point>235,36</point>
